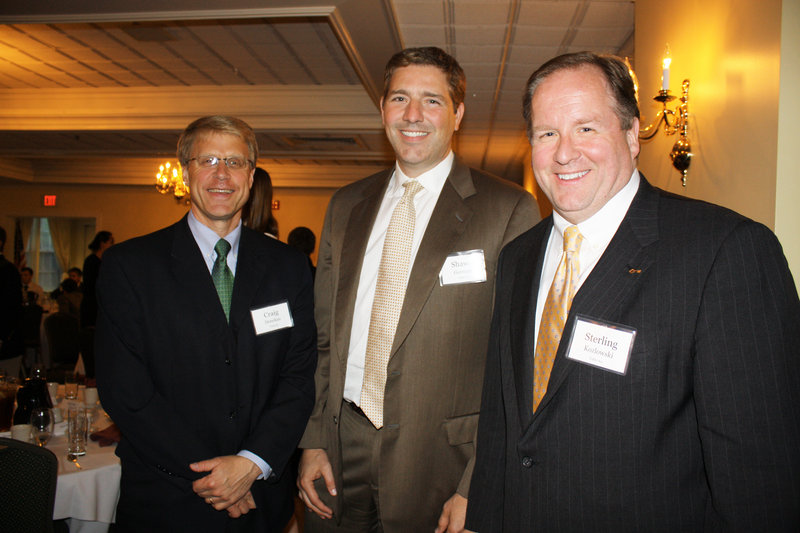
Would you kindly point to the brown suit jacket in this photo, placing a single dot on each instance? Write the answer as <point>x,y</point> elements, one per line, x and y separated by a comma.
<point>432,394</point>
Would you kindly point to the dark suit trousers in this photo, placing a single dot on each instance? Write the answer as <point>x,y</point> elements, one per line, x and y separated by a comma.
<point>360,456</point>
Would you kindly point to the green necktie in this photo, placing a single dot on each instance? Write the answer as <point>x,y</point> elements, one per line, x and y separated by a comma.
<point>222,276</point>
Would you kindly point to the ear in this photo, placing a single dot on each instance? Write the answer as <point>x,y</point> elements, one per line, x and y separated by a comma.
<point>633,138</point>
<point>383,121</point>
<point>459,115</point>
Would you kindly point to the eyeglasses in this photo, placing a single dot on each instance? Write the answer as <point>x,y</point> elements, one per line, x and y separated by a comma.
<point>233,163</point>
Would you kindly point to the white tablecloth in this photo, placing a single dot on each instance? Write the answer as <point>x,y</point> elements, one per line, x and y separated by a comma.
<point>86,496</point>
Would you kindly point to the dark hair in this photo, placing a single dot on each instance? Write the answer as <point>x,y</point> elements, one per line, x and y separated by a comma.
<point>429,56</point>
<point>101,237</point>
<point>618,80</point>
<point>77,270</point>
<point>303,239</point>
<point>27,269</point>
<point>257,212</point>
<point>69,285</point>
<point>217,124</point>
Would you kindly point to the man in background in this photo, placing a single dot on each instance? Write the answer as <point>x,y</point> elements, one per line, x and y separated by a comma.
<point>404,291</point>
<point>12,345</point>
<point>644,366</point>
<point>32,292</point>
<point>206,349</point>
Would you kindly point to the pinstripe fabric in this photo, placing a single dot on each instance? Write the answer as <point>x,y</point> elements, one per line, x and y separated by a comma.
<point>701,434</point>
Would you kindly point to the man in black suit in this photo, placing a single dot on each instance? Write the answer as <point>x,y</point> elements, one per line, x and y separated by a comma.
<point>11,342</point>
<point>210,386</point>
<point>672,401</point>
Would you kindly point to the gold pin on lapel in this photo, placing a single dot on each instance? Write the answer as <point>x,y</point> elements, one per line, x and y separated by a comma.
<point>634,271</point>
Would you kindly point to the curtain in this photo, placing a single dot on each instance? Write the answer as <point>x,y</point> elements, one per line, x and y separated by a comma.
<point>25,224</point>
<point>61,233</point>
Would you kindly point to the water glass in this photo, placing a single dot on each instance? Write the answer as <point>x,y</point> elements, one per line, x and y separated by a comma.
<point>42,423</point>
<point>76,429</point>
<point>70,386</point>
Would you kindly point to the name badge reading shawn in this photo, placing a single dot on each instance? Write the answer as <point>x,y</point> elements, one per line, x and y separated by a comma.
<point>463,267</point>
<point>272,318</point>
<point>601,344</point>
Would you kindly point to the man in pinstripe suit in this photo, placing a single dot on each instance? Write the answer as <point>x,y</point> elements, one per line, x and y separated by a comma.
<point>673,403</point>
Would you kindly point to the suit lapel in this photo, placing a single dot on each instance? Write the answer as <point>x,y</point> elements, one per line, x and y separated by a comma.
<point>251,264</point>
<point>614,280</point>
<point>522,316</point>
<point>193,280</point>
<point>448,221</point>
<point>354,245</point>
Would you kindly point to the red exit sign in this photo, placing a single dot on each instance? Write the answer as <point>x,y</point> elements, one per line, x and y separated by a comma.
<point>49,200</point>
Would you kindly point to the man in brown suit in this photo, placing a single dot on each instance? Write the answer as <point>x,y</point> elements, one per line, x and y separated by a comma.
<point>408,466</point>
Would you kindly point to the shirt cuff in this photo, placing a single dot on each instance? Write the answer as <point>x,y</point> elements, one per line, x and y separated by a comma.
<point>266,470</point>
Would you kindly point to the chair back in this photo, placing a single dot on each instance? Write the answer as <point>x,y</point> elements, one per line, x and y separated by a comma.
<point>63,338</point>
<point>28,476</point>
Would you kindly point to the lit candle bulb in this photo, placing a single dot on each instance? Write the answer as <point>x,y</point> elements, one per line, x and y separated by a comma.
<point>665,70</point>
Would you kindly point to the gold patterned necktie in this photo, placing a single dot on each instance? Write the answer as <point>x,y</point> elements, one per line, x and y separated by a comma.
<point>390,291</point>
<point>556,309</point>
<point>222,276</point>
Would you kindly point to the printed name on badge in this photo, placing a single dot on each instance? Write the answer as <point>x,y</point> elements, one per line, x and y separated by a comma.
<point>463,267</point>
<point>601,344</point>
<point>272,318</point>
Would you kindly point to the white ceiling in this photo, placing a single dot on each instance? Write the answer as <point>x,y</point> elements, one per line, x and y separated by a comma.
<point>88,89</point>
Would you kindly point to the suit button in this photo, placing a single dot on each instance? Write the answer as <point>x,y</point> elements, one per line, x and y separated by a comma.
<point>527,462</point>
<point>335,419</point>
<point>232,415</point>
<point>227,361</point>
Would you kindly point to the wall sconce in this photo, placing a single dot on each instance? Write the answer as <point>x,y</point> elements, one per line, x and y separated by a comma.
<point>170,178</point>
<point>675,121</point>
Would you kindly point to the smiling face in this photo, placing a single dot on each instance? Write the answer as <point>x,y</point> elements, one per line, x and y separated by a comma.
<point>419,117</point>
<point>219,193</point>
<point>581,156</point>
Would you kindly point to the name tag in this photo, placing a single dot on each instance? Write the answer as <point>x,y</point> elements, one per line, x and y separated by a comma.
<point>463,267</point>
<point>272,318</point>
<point>601,344</point>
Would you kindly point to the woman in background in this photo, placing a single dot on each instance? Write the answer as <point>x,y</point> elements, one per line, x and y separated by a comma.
<point>257,212</point>
<point>91,268</point>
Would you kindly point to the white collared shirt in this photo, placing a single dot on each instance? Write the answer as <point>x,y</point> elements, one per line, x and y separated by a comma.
<point>425,200</point>
<point>206,239</point>
<point>597,231</point>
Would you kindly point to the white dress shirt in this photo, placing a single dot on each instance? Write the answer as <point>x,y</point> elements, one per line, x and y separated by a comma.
<point>425,200</point>
<point>597,231</point>
<point>206,239</point>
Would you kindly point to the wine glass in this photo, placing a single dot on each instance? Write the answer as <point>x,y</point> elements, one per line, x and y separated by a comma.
<point>42,422</point>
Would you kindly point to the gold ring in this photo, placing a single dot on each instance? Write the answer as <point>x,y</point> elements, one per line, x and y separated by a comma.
<point>210,500</point>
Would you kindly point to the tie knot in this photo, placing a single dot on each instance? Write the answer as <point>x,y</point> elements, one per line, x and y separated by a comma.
<point>572,239</point>
<point>412,187</point>
<point>222,248</point>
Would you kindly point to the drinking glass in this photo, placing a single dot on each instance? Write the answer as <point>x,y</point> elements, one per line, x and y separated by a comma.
<point>42,423</point>
<point>70,386</point>
<point>76,429</point>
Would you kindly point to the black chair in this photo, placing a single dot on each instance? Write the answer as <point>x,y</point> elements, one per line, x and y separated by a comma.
<point>63,340</point>
<point>28,476</point>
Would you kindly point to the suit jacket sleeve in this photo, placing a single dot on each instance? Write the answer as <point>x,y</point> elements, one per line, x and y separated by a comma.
<point>524,216</point>
<point>747,378</point>
<point>163,439</point>
<point>323,285</point>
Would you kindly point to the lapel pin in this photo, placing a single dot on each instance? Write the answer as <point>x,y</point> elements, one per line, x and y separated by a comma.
<point>634,271</point>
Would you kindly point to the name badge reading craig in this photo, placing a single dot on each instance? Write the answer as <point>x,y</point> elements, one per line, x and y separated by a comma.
<point>272,318</point>
<point>463,267</point>
<point>601,344</point>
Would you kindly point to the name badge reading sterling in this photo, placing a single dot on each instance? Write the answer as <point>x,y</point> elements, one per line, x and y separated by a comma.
<point>272,318</point>
<point>601,344</point>
<point>463,267</point>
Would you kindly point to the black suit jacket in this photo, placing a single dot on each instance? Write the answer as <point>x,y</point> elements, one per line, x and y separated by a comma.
<point>10,310</point>
<point>701,433</point>
<point>184,385</point>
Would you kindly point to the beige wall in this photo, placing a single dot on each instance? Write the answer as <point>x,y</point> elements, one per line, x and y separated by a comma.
<point>731,52</point>
<point>131,211</point>
<point>787,213</point>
